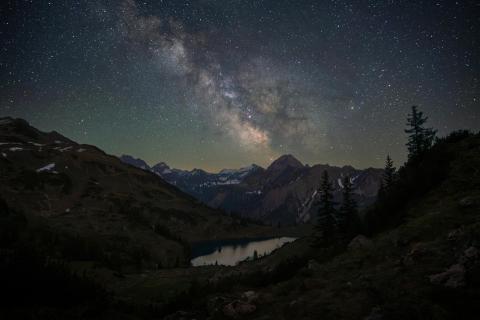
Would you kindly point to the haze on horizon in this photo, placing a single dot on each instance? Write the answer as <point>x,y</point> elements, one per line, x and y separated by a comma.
<point>224,84</point>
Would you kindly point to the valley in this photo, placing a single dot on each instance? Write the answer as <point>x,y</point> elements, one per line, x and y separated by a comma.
<point>134,246</point>
<point>285,193</point>
<point>79,192</point>
<point>239,160</point>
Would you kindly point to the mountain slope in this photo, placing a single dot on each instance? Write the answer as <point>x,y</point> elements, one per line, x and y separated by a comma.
<point>284,193</point>
<point>109,211</point>
<point>426,265</point>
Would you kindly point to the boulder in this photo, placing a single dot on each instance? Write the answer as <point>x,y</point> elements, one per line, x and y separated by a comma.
<point>468,202</point>
<point>453,277</point>
<point>471,253</point>
<point>250,296</point>
<point>229,311</point>
<point>470,257</point>
<point>456,234</point>
<point>238,308</point>
<point>418,251</point>
<point>245,308</point>
<point>360,242</point>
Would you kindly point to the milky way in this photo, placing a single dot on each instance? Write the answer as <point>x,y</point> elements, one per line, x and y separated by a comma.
<point>215,84</point>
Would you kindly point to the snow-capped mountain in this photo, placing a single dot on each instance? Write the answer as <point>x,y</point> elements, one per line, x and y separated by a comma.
<point>196,180</point>
<point>139,163</point>
<point>284,193</point>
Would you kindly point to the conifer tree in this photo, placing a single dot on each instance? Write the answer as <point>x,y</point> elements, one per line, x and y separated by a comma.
<point>347,216</point>
<point>420,139</point>
<point>388,174</point>
<point>325,227</point>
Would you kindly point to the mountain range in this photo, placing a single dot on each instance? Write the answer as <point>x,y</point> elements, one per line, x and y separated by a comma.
<point>105,209</point>
<point>283,193</point>
<point>84,235</point>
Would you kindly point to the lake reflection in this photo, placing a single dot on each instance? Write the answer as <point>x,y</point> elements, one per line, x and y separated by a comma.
<point>230,253</point>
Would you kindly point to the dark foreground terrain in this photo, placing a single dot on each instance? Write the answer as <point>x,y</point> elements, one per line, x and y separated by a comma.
<point>93,238</point>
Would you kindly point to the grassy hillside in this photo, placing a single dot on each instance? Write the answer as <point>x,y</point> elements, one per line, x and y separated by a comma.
<point>424,264</point>
<point>118,237</point>
<point>87,205</point>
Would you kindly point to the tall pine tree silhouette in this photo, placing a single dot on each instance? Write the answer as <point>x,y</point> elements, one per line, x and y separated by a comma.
<point>348,215</point>
<point>420,138</point>
<point>325,227</point>
<point>388,174</point>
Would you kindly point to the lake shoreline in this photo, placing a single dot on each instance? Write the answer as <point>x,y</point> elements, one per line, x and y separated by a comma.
<point>230,252</point>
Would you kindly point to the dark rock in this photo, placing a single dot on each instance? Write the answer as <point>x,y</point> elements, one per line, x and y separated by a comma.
<point>471,253</point>
<point>453,277</point>
<point>470,256</point>
<point>250,295</point>
<point>455,234</point>
<point>238,308</point>
<point>417,252</point>
<point>360,242</point>
<point>468,202</point>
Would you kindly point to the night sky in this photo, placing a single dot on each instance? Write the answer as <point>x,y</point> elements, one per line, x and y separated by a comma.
<point>223,84</point>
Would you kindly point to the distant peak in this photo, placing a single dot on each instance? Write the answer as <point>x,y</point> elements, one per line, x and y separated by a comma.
<point>137,162</point>
<point>227,171</point>
<point>249,168</point>
<point>161,165</point>
<point>285,161</point>
<point>129,157</point>
<point>198,171</point>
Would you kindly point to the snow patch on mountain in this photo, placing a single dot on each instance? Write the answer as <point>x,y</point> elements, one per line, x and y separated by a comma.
<point>304,210</point>
<point>5,121</point>
<point>36,144</point>
<point>48,167</point>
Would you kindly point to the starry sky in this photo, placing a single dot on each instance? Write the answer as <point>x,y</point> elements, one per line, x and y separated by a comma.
<point>223,84</point>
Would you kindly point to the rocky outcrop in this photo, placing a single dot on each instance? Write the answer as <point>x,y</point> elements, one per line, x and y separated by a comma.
<point>469,202</point>
<point>233,306</point>
<point>359,242</point>
<point>455,276</point>
<point>238,308</point>
<point>417,252</point>
<point>250,296</point>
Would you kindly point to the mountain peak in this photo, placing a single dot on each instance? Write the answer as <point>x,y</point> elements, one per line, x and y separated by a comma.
<point>247,169</point>
<point>136,162</point>
<point>161,165</point>
<point>285,161</point>
<point>197,171</point>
